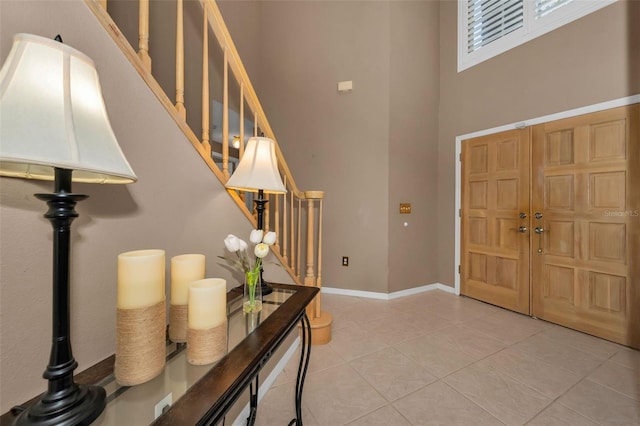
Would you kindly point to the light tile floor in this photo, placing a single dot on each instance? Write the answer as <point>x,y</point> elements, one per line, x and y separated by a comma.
<point>440,359</point>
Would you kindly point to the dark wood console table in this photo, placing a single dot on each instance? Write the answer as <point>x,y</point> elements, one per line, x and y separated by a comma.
<point>202,395</point>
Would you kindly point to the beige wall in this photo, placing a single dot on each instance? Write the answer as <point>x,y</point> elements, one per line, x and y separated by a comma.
<point>334,142</point>
<point>413,135</point>
<point>177,205</point>
<point>591,60</point>
<point>369,149</point>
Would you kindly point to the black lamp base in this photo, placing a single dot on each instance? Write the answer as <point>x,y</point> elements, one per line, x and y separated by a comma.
<point>260,203</point>
<point>65,403</point>
<point>78,408</point>
<point>265,287</point>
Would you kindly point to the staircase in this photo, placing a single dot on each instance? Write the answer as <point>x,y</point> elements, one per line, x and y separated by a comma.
<point>218,103</point>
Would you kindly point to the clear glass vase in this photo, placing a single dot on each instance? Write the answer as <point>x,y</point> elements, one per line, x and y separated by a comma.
<point>252,299</point>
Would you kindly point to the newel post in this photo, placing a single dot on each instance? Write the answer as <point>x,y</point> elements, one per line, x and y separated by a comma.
<point>320,321</point>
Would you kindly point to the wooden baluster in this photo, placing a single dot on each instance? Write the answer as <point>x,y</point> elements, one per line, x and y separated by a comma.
<point>103,3</point>
<point>292,234</point>
<point>298,233</point>
<point>180,61</point>
<point>276,219</point>
<point>143,34</point>
<point>319,268</point>
<point>225,117</point>
<point>205,85</point>
<point>284,224</point>
<point>309,278</point>
<point>255,125</point>
<point>267,221</point>
<point>241,148</point>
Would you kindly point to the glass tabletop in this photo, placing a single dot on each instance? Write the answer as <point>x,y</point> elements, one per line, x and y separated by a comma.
<point>141,404</point>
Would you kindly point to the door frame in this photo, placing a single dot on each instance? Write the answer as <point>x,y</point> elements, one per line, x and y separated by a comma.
<point>529,122</point>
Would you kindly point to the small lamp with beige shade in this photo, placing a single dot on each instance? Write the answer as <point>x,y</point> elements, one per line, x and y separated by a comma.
<point>258,172</point>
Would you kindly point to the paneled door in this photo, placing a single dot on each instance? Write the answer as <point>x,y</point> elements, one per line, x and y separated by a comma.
<point>586,225</point>
<point>495,222</point>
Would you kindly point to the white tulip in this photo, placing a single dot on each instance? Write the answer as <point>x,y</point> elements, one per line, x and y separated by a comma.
<point>256,236</point>
<point>261,250</point>
<point>243,244</point>
<point>269,238</point>
<point>232,243</point>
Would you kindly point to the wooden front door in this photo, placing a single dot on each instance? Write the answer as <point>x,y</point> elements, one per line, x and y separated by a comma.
<point>586,239</point>
<point>495,206</point>
<point>551,222</point>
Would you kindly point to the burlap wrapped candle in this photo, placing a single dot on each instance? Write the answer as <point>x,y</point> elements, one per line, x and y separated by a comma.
<point>207,321</point>
<point>141,317</point>
<point>185,269</point>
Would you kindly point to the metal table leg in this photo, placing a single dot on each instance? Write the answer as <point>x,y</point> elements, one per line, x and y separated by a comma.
<point>253,402</point>
<point>305,354</point>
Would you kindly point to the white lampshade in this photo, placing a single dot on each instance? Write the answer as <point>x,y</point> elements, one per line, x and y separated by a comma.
<point>52,115</point>
<point>258,168</point>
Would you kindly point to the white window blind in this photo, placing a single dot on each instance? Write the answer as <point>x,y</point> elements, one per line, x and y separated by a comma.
<point>544,7</point>
<point>489,20</point>
<point>487,28</point>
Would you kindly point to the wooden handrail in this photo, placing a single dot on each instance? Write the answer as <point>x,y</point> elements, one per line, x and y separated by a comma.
<point>235,63</point>
<point>283,214</point>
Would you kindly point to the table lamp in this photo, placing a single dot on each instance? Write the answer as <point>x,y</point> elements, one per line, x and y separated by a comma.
<point>54,126</point>
<point>258,172</point>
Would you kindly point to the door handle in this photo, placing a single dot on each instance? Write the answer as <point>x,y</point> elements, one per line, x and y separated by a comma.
<point>522,229</point>
<point>539,230</point>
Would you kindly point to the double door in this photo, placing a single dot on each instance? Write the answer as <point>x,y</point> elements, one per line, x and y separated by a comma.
<point>551,225</point>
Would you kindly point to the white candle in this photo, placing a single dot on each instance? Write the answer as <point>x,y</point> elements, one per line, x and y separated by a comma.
<point>207,303</point>
<point>141,278</point>
<point>185,269</point>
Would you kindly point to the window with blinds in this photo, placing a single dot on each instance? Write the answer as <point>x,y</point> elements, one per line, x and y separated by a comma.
<point>487,28</point>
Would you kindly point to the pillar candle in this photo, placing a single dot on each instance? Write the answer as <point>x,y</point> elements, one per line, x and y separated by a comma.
<point>207,303</point>
<point>141,278</point>
<point>185,269</point>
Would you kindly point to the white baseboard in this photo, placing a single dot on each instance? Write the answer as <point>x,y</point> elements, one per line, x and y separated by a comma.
<point>266,384</point>
<point>388,296</point>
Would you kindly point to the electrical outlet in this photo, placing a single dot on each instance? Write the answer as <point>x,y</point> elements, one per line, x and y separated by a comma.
<point>345,260</point>
<point>162,405</point>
